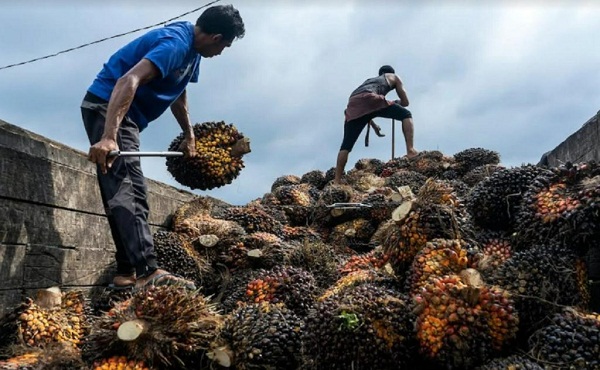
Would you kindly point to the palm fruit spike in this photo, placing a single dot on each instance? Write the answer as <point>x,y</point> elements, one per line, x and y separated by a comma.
<point>294,287</point>
<point>253,219</point>
<point>285,180</point>
<point>175,254</point>
<point>315,178</point>
<point>495,201</point>
<point>300,233</point>
<point>514,362</point>
<point>542,279</point>
<point>439,257</point>
<point>363,327</point>
<point>219,158</point>
<point>480,173</point>
<point>571,341</point>
<point>160,325</point>
<point>469,159</point>
<point>562,208</point>
<point>119,363</point>
<point>430,163</point>
<point>462,322</point>
<point>260,335</point>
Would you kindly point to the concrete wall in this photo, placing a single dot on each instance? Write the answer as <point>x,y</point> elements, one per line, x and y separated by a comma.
<point>53,230</point>
<point>582,146</point>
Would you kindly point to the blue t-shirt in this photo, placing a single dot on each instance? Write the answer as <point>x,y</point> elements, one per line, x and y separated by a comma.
<point>171,50</point>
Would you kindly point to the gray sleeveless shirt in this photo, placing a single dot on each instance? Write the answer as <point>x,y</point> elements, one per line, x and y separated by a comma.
<point>377,85</point>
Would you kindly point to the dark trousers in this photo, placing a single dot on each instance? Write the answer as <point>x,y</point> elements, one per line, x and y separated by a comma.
<point>123,190</point>
<point>353,128</point>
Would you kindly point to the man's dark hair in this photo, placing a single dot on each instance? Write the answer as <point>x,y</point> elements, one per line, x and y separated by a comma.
<point>224,20</point>
<point>386,69</point>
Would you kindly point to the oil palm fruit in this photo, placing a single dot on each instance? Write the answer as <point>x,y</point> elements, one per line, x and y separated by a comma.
<point>469,159</point>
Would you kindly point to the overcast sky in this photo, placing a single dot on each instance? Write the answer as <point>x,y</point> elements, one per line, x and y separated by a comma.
<point>517,77</point>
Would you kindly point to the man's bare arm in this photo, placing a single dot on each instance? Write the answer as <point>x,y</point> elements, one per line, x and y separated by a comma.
<point>118,105</point>
<point>400,91</point>
<point>179,108</point>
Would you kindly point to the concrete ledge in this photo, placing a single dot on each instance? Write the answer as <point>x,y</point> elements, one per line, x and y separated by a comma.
<point>53,230</point>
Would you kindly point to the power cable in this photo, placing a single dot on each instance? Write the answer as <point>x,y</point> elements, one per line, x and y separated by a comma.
<point>107,38</point>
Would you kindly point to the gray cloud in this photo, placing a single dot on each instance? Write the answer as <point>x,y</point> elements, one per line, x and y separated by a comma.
<point>513,77</point>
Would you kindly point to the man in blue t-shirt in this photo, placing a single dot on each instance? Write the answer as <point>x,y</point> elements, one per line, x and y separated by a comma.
<point>135,86</point>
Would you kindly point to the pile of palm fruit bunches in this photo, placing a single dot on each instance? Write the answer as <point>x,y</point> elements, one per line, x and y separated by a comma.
<point>445,262</point>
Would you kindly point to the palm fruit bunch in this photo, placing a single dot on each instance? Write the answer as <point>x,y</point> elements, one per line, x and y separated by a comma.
<point>495,248</point>
<point>40,327</point>
<point>284,181</point>
<point>219,156</point>
<point>162,325</point>
<point>495,201</point>
<point>380,206</point>
<point>372,165</point>
<point>300,233</point>
<point>324,214</point>
<point>402,242</point>
<point>335,194</point>
<point>234,288</point>
<point>462,322</point>
<point>562,208</point>
<point>355,234</point>
<point>436,214</point>
<point>330,175</point>
<point>78,310</point>
<point>55,356</point>
<point>374,259</point>
<point>174,253</point>
<point>363,181</point>
<point>119,363</point>
<point>363,327</point>
<point>412,179</point>
<point>439,257</point>
<point>460,188</point>
<point>193,208</point>
<point>478,174</point>
<point>314,178</point>
<point>541,279</point>
<point>469,159</point>
<point>293,286</point>
<point>319,259</point>
<point>253,219</point>
<point>513,362</point>
<point>430,163</point>
<point>260,336</point>
<point>571,341</point>
<point>380,277</point>
<point>266,250</point>
<point>296,202</point>
<point>192,221</point>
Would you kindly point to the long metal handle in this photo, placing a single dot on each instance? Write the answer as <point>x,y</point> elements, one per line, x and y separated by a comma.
<point>118,153</point>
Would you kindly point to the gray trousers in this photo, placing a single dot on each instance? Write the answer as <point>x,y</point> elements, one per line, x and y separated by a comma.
<point>123,190</point>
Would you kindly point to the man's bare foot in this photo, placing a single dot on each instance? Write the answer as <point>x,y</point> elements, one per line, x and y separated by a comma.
<point>411,154</point>
<point>122,281</point>
<point>163,277</point>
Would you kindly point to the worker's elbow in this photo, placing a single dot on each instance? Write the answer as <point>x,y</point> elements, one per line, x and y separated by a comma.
<point>404,103</point>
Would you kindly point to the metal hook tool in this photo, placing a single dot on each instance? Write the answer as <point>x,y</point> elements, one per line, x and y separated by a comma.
<point>118,153</point>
